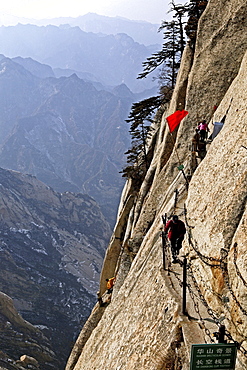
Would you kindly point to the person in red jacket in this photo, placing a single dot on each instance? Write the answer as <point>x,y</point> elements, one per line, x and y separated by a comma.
<point>176,230</point>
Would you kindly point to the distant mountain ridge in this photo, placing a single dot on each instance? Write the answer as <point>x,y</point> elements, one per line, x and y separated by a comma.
<point>112,59</point>
<point>70,133</point>
<point>65,132</point>
<point>36,68</point>
<point>141,31</point>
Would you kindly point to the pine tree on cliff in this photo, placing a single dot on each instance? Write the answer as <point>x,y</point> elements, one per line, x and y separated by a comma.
<point>194,10</point>
<point>170,54</point>
<point>140,117</point>
<point>169,57</point>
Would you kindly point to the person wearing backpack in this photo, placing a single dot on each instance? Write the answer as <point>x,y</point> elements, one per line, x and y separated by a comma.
<point>176,230</point>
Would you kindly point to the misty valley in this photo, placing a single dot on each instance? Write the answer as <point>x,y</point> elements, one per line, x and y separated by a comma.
<point>64,97</point>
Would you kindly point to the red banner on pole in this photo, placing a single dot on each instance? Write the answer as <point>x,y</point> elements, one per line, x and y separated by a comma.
<point>174,119</point>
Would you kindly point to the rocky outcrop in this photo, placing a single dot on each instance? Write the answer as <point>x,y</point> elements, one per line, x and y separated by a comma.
<point>18,337</point>
<point>145,325</point>
<point>8,309</point>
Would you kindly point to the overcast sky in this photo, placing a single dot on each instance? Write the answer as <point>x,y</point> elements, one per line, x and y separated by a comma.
<point>153,11</point>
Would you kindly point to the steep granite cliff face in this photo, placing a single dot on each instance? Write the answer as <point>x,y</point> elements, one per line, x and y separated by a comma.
<point>145,325</point>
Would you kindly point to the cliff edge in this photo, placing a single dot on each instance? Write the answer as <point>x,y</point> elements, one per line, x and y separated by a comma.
<point>145,325</point>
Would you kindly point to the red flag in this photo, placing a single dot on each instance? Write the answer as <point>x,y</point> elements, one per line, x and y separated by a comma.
<point>174,119</point>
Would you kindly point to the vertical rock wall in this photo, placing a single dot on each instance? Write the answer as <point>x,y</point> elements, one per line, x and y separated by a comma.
<point>143,327</point>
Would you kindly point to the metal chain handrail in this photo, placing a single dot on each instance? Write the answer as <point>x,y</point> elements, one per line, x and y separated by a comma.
<point>201,296</point>
<point>213,315</point>
<point>205,285</point>
<point>227,282</point>
<point>222,264</point>
<point>196,307</point>
<point>236,266</point>
<point>204,258</point>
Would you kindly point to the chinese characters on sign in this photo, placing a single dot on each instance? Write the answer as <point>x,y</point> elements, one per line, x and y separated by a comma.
<point>213,356</point>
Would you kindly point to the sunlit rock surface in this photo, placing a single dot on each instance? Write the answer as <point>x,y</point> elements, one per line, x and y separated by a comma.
<point>144,326</point>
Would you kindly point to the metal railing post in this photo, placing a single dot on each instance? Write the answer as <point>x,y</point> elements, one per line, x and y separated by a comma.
<point>184,286</point>
<point>164,249</point>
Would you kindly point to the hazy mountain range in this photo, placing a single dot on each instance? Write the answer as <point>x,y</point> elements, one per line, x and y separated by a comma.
<point>111,59</point>
<point>64,131</point>
<point>64,97</point>
<point>141,31</point>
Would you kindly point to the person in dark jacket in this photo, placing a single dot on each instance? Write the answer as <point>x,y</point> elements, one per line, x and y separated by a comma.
<point>176,230</point>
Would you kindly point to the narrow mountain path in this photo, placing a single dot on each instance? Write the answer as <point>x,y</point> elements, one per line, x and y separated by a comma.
<point>196,323</point>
